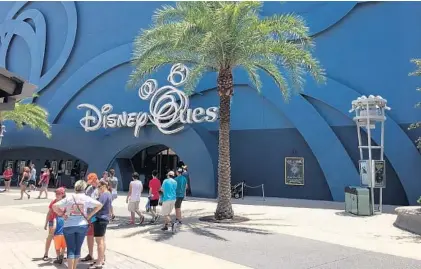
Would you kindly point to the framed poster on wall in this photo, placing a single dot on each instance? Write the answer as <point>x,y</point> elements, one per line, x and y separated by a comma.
<point>69,166</point>
<point>22,165</point>
<point>294,171</point>
<point>54,167</point>
<point>10,164</point>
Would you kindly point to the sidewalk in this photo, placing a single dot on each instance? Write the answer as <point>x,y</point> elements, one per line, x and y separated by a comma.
<point>274,222</point>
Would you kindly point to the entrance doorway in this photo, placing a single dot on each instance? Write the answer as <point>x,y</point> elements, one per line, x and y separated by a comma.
<point>159,157</point>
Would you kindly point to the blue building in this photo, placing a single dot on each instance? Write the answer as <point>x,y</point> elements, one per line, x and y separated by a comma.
<point>79,52</point>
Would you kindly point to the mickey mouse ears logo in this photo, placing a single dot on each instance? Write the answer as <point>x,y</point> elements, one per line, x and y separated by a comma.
<point>17,23</point>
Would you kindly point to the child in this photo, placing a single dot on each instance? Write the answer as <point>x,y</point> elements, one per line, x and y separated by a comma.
<point>59,241</point>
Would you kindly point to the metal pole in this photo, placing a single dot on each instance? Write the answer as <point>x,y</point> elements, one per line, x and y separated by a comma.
<point>381,158</point>
<point>370,156</point>
<point>242,190</point>
<point>359,141</point>
<point>263,191</point>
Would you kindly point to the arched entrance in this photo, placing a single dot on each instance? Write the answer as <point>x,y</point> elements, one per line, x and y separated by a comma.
<point>196,147</point>
<point>158,157</point>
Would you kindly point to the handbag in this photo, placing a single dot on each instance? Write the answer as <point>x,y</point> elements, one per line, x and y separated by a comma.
<point>83,214</point>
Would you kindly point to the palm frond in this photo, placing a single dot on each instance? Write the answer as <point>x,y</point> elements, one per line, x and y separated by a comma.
<point>225,35</point>
<point>31,115</point>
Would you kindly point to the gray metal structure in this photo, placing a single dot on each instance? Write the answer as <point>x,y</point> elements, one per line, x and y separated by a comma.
<point>12,90</point>
<point>368,112</point>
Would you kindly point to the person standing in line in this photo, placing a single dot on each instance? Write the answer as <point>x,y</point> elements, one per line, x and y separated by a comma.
<point>59,240</point>
<point>133,198</point>
<point>33,178</point>
<point>169,187</point>
<point>49,221</point>
<point>114,185</point>
<point>187,176</point>
<point>73,209</point>
<point>7,175</point>
<point>24,183</point>
<point>102,220</point>
<point>180,194</point>
<point>43,182</point>
<point>91,191</point>
<point>154,188</point>
<point>105,176</point>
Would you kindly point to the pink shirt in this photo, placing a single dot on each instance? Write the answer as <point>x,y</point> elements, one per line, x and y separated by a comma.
<point>8,174</point>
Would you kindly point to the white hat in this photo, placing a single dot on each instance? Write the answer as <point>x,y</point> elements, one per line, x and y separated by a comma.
<point>170,173</point>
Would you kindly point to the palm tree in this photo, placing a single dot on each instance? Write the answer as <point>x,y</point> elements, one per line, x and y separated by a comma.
<point>31,115</point>
<point>218,37</point>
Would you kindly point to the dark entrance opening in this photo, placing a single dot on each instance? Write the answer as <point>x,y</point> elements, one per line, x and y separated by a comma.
<point>159,157</point>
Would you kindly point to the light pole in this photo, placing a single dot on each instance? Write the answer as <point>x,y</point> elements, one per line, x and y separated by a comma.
<point>12,89</point>
<point>369,111</point>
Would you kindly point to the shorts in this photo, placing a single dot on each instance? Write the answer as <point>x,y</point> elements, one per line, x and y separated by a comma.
<point>7,179</point>
<point>59,242</point>
<point>178,202</point>
<point>133,206</point>
<point>90,231</point>
<point>167,208</point>
<point>100,227</point>
<point>44,185</point>
<point>31,182</point>
<point>153,202</point>
<point>50,223</point>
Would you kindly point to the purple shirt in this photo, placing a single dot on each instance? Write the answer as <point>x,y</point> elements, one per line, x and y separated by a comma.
<point>105,199</point>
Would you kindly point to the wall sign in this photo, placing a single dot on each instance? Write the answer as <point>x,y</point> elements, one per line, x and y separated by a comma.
<point>379,174</point>
<point>365,175</point>
<point>294,171</point>
<point>169,108</point>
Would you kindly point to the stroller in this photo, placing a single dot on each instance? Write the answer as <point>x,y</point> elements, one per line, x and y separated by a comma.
<point>237,190</point>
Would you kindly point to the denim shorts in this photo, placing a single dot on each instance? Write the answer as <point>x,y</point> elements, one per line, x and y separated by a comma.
<point>74,235</point>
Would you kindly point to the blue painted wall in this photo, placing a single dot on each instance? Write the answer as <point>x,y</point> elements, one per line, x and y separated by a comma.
<point>78,52</point>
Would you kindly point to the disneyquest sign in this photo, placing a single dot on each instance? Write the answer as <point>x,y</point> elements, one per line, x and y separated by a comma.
<point>168,108</point>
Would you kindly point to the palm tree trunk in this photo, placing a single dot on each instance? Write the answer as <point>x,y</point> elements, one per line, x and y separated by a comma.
<point>225,90</point>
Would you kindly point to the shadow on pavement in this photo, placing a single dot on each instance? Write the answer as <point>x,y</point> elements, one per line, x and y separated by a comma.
<point>191,224</point>
<point>346,214</point>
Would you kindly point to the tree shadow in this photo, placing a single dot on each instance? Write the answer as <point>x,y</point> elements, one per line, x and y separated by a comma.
<point>191,223</point>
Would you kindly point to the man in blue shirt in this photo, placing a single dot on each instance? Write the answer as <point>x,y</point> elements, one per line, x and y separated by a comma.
<point>169,188</point>
<point>180,193</point>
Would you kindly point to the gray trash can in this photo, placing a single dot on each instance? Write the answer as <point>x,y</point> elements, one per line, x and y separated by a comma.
<point>357,201</point>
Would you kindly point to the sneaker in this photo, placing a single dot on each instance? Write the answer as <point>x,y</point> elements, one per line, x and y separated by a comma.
<point>165,228</point>
<point>45,258</point>
<point>88,258</point>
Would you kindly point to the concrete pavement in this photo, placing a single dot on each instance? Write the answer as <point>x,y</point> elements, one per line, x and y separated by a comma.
<point>281,234</point>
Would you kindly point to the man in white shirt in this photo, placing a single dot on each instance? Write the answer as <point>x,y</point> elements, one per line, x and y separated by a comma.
<point>33,178</point>
<point>133,198</point>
